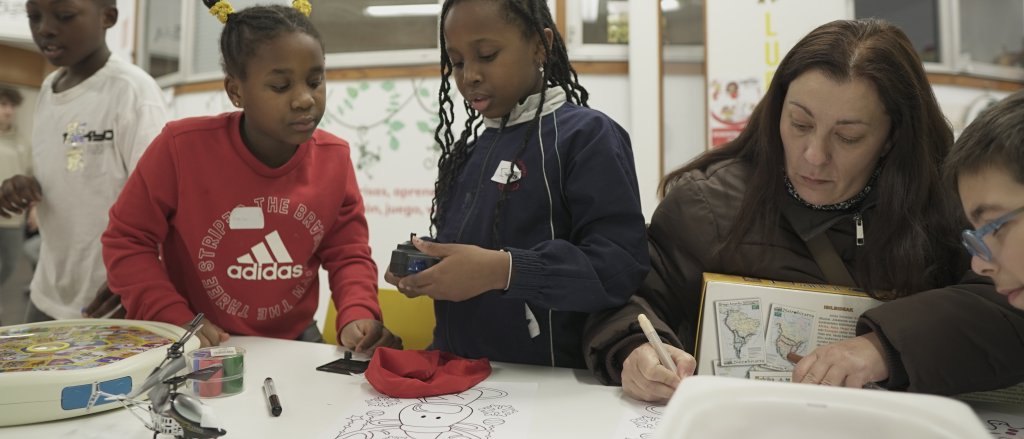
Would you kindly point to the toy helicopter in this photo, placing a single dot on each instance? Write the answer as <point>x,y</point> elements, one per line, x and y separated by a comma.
<point>180,415</point>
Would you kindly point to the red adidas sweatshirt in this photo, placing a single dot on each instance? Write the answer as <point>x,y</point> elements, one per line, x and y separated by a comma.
<point>203,226</point>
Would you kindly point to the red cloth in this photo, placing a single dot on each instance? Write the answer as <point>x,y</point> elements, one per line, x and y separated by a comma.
<point>417,374</point>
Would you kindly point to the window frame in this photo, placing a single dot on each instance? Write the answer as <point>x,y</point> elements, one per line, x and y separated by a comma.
<point>950,36</point>
<point>963,64</point>
<point>951,55</point>
<point>142,45</point>
<point>186,65</point>
<point>580,51</point>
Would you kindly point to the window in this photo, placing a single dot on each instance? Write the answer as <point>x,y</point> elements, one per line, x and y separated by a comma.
<point>354,32</point>
<point>206,38</point>
<point>378,32</point>
<point>919,19</point>
<point>956,36</point>
<point>372,25</point>
<point>599,29</point>
<point>992,37</point>
<point>162,39</point>
<point>684,22</point>
<point>605,21</point>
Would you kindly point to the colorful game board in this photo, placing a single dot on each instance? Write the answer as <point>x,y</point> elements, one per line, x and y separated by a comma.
<point>70,347</point>
<point>50,370</point>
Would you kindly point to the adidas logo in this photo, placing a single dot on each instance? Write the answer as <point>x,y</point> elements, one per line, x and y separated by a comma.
<point>268,260</point>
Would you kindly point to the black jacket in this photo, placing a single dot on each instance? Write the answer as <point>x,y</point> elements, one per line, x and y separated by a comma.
<point>948,340</point>
<point>572,223</point>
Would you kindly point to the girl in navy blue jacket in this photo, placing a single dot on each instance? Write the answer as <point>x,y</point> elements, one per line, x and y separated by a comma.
<point>538,216</point>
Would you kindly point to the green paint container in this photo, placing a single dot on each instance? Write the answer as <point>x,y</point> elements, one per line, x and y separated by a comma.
<point>227,381</point>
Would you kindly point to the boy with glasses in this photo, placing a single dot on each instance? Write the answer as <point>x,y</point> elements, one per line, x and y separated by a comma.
<point>987,167</point>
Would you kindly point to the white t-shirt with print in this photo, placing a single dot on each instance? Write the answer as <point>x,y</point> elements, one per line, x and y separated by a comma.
<point>85,142</point>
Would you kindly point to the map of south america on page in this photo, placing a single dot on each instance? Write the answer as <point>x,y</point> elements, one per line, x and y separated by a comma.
<point>790,330</point>
<point>740,338</point>
<point>749,327</point>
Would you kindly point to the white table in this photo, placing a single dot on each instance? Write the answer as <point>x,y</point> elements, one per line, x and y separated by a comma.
<point>570,403</point>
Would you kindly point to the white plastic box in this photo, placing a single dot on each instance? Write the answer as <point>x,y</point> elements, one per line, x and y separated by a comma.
<point>709,407</point>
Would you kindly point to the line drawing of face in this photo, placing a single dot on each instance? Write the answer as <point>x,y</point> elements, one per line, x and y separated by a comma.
<point>833,134</point>
<point>431,417</point>
<point>431,420</point>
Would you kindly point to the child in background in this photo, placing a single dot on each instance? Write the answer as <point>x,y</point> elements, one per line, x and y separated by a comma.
<point>538,217</point>
<point>15,158</point>
<point>95,117</point>
<point>233,215</point>
<point>987,166</point>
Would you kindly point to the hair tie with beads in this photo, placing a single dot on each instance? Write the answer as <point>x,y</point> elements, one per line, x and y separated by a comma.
<point>220,9</point>
<point>302,6</point>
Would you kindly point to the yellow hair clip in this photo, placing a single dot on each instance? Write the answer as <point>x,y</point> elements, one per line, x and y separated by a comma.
<point>221,10</point>
<point>303,6</point>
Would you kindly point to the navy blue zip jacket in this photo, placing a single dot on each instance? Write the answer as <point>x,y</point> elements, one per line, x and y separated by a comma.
<point>571,221</point>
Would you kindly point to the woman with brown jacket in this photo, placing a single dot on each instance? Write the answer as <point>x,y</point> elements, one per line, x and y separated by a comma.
<point>846,146</point>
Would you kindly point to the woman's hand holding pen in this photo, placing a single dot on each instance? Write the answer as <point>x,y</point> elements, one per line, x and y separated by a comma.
<point>852,362</point>
<point>465,271</point>
<point>644,378</point>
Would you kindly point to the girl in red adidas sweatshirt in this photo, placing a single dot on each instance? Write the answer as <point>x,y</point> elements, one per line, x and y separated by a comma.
<point>233,215</point>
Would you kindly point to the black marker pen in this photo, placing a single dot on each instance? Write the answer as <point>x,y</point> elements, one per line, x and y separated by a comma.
<point>271,392</point>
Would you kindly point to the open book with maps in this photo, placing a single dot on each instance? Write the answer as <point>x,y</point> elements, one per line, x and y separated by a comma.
<point>748,327</point>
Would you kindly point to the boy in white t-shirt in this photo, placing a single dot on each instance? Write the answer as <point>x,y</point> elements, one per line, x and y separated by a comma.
<point>96,115</point>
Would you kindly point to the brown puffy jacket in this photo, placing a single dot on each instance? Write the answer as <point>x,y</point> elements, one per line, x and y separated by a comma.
<point>949,340</point>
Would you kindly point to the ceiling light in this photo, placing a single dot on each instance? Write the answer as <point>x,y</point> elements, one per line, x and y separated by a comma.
<point>402,10</point>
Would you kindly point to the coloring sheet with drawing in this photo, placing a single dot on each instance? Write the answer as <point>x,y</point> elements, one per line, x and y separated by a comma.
<point>1001,425</point>
<point>490,410</point>
<point>639,419</point>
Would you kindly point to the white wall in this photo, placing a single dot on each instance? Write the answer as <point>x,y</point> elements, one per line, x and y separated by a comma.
<point>13,24</point>
<point>685,120</point>
<point>645,98</point>
<point>962,104</point>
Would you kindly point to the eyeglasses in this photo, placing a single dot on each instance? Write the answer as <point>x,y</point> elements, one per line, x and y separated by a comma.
<point>974,239</point>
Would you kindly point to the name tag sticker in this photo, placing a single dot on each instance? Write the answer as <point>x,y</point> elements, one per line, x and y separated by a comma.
<point>504,169</point>
<point>246,218</point>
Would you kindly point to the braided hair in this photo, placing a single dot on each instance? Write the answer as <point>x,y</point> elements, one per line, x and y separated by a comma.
<point>246,30</point>
<point>533,17</point>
